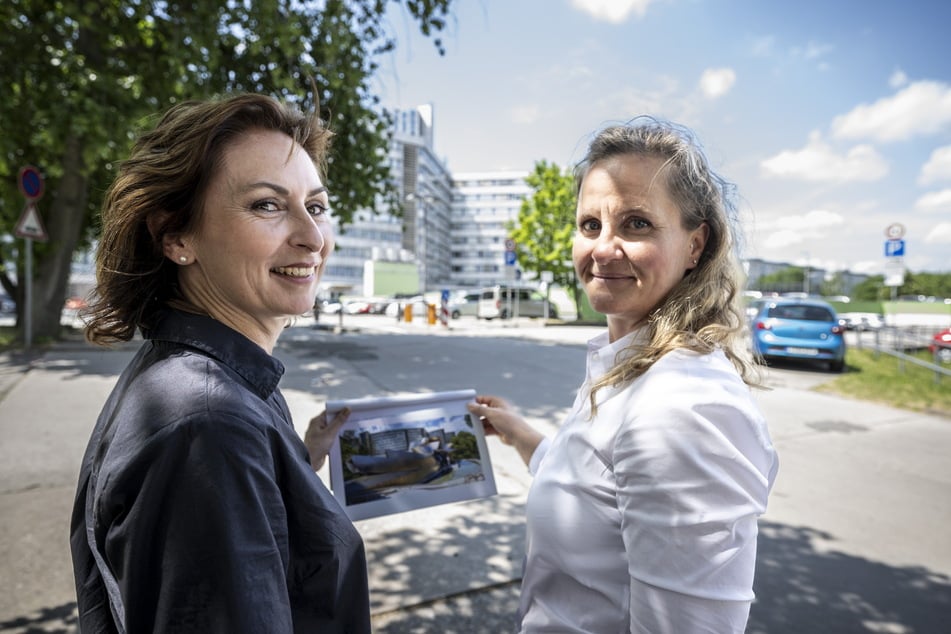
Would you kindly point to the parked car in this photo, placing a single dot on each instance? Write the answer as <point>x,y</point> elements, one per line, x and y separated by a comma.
<point>754,306</point>
<point>799,329</point>
<point>862,321</point>
<point>940,346</point>
<point>7,305</point>
<point>504,302</point>
<point>464,304</point>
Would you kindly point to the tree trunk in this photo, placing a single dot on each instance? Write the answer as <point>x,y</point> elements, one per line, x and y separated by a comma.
<point>63,222</point>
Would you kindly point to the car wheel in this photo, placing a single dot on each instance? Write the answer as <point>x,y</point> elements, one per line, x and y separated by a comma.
<point>836,366</point>
<point>455,314</point>
<point>943,355</point>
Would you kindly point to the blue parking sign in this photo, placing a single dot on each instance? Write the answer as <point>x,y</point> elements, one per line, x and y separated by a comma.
<point>894,248</point>
<point>509,258</point>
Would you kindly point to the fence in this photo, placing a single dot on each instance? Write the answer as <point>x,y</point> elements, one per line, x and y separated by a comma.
<point>898,341</point>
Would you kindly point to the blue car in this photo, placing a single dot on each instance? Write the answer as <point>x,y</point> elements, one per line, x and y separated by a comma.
<point>799,329</point>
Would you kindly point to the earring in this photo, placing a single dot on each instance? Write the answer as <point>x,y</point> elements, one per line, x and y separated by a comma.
<point>695,261</point>
<point>183,259</point>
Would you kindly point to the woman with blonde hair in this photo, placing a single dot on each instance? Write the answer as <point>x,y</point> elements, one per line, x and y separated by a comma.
<point>642,512</point>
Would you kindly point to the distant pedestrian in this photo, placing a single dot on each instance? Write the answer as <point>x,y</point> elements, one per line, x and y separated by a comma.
<point>643,509</point>
<point>198,507</point>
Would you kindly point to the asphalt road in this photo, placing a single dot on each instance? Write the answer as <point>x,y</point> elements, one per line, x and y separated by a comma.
<point>855,538</point>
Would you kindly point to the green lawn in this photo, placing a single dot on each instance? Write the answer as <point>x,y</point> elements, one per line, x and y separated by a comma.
<point>881,379</point>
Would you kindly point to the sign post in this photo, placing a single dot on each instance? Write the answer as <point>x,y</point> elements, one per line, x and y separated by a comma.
<point>510,259</point>
<point>894,257</point>
<point>29,227</point>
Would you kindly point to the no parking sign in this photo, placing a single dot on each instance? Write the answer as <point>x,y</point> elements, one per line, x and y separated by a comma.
<point>30,225</point>
<point>30,182</point>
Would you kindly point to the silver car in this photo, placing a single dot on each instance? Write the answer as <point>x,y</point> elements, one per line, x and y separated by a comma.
<point>504,302</point>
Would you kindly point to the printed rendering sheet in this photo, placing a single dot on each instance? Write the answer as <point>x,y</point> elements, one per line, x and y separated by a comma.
<point>399,453</point>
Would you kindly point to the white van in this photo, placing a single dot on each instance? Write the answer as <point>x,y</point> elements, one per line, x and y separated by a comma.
<point>504,302</point>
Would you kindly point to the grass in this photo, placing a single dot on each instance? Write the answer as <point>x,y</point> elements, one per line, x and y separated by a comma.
<point>9,340</point>
<point>7,336</point>
<point>881,379</point>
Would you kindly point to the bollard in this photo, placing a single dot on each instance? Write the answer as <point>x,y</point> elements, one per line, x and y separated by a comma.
<point>408,313</point>
<point>431,313</point>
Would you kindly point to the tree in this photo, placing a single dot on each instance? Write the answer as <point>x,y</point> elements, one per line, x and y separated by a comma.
<point>870,289</point>
<point>785,280</point>
<point>545,227</point>
<point>80,77</point>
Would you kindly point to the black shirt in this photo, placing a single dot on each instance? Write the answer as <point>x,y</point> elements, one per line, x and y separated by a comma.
<point>198,500</point>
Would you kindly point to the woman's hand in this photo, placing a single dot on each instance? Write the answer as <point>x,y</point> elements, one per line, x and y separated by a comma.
<point>500,418</point>
<point>321,434</point>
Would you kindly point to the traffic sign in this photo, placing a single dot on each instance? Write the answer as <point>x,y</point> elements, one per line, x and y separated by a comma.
<point>895,231</point>
<point>510,258</point>
<point>509,244</point>
<point>894,248</point>
<point>30,182</point>
<point>30,225</point>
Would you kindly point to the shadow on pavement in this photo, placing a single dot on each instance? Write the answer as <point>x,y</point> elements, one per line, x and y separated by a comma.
<point>799,588</point>
<point>56,620</point>
<point>802,589</point>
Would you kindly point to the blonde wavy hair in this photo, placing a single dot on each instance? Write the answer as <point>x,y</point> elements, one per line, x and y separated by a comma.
<point>160,190</point>
<point>703,311</point>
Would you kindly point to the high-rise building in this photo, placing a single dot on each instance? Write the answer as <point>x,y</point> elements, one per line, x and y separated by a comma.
<point>420,237</point>
<point>483,205</point>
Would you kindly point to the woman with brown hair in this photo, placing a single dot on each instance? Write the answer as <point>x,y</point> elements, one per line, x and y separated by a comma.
<point>198,507</point>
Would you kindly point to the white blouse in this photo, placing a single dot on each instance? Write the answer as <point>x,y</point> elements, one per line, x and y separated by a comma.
<point>643,519</point>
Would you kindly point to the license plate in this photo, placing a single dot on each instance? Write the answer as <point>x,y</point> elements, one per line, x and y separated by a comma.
<point>804,351</point>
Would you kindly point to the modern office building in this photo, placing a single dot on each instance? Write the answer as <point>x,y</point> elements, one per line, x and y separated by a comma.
<point>483,205</point>
<point>419,237</point>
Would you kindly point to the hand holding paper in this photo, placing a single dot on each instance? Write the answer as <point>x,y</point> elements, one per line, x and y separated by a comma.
<point>321,435</point>
<point>500,418</point>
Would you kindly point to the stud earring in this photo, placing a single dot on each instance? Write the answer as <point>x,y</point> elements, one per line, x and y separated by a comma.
<point>695,261</point>
<point>182,259</point>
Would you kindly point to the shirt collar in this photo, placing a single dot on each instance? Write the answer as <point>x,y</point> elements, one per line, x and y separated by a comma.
<point>219,341</point>
<point>603,354</point>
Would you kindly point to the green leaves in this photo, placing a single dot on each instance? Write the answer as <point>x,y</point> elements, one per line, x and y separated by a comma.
<point>93,72</point>
<point>546,224</point>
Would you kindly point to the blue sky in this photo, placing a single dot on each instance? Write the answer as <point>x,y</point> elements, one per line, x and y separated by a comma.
<point>832,118</point>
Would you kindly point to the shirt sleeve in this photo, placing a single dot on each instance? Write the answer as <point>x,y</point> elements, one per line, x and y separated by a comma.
<point>196,534</point>
<point>538,455</point>
<point>693,469</point>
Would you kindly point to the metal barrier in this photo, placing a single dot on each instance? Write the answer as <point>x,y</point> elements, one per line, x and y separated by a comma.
<point>894,341</point>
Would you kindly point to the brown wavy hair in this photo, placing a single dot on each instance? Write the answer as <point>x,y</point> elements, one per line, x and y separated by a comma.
<point>160,190</point>
<point>703,311</point>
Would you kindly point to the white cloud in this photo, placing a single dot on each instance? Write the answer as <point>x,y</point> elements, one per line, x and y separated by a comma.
<point>781,239</point>
<point>818,162</point>
<point>938,167</point>
<point>940,234</point>
<point>919,109</point>
<point>935,201</point>
<point>613,11</point>
<point>898,79</point>
<point>716,82</point>
<point>524,114</point>
<point>792,229</point>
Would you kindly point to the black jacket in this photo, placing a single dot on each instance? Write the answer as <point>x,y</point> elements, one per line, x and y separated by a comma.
<point>197,498</point>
